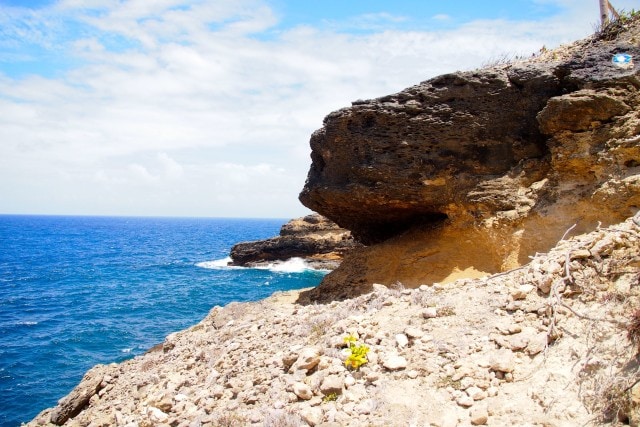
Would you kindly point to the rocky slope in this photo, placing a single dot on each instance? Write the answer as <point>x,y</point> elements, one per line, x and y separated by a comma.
<point>319,241</point>
<point>499,160</point>
<point>545,345</point>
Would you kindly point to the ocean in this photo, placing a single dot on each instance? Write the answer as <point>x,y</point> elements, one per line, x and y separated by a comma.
<point>77,291</point>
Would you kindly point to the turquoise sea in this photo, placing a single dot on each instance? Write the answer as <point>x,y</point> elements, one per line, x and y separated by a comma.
<point>77,291</point>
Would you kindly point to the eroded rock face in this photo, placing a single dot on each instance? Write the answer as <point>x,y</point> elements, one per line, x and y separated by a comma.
<point>500,161</point>
<point>313,237</point>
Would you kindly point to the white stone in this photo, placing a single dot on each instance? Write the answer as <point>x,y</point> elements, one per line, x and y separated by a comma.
<point>349,381</point>
<point>502,360</point>
<point>394,362</point>
<point>430,313</point>
<point>308,358</point>
<point>377,287</point>
<point>180,397</point>
<point>402,340</point>
<point>479,416</point>
<point>413,332</point>
<point>464,401</point>
<point>156,415</point>
<point>476,393</point>
<point>331,384</point>
<point>302,390</point>
<point>365,407</point>
<point>312,416</point>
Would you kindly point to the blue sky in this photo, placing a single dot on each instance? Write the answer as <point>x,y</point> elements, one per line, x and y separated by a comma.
<point>205,108</point>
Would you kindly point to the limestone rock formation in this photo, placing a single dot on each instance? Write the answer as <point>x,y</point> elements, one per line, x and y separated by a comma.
<point>314,238</point>
<point>472,172</point>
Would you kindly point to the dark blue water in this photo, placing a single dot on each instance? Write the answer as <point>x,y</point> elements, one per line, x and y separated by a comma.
<point>76,291</point>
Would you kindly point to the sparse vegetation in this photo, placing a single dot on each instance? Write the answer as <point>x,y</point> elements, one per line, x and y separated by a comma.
<point>230,420</point>
<point>633,330</point>
<point>281,418</point>
<point>331,397</point>
<point>618,25</point>
<point>447,310</point>
<point>357,353</point>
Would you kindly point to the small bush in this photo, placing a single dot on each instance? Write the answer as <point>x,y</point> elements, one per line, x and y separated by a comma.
<point>633,330</point>
<point>230,420</point>
<point>331,397</point>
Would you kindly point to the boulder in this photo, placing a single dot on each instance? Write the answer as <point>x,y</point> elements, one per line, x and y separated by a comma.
<point>313,238</point>
<point>72,404</point>
<point>470,173</point>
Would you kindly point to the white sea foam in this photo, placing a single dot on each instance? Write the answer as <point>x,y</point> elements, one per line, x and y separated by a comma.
<point>27,323</point>
<point>126,350</point>
<point>292,265</point>
<point>217,264</point>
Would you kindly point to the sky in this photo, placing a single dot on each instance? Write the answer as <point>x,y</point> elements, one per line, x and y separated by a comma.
<point>205,107</point>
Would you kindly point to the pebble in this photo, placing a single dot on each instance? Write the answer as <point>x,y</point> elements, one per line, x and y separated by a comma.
<point>430,313</point>
<point>402,340</point>
<point>308,358</point>
<point>479,416</point>
<point>302,390</point>
<point>502,360</point>
<point>464,401</point>
<point>331,384</point>
<point>394,362</point>
<point>312,416</point>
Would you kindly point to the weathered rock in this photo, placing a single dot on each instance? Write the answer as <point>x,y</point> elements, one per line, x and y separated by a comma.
<point>479,416</point>
<point>312,416</point>
<point>74,402</point>
<point>394,362</point>
<point>303,391</point>
<point>313,238</point>
<point>502,360</point>
<point>332,384</point>
<point>402,340</point>
<point>308,358</point>
<point>470,173</point>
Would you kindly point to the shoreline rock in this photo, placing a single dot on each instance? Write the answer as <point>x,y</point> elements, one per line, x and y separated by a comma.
<point>315,239</point>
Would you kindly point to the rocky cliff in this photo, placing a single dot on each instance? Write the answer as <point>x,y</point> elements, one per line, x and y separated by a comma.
<point>473,172</point>
<point>317,240</point>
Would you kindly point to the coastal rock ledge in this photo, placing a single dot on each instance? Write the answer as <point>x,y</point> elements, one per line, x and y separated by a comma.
<point>470,173</point>
<point>314,238</point>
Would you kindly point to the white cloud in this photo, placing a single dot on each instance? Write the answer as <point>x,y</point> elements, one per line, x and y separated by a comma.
<point>207,109</point>
<point>441,17</point>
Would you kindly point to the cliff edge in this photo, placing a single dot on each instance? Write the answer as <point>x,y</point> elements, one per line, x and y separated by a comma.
<point>472,172</point>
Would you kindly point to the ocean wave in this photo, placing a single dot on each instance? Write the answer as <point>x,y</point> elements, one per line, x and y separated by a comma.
<point>218,264</point>
<point>292,265</point>
<point>26,323</point>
